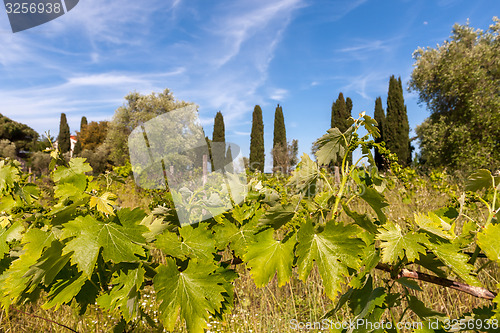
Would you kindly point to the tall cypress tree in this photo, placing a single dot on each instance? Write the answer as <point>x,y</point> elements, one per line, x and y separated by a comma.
<point>341,112</point>
<point>379,116</point>
<point>83,123</point>
<point>229,160</point>
<point>64,138</point>
<point>348,104</point>
<point>218,142</point>
<point>279,139</point>
<point>78,145</point>
<point>257,141</point>
<point>397,128</point>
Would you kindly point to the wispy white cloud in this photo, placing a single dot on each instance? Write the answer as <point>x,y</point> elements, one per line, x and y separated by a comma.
<point>95,96</point>
<point>238,22</point>
<point>278,94</point>
<point>110,21</point>
<point>334,10</point>
<point>219,60</point>
<point>241,133</point>
<point>367,46</point>
<point>368,85</point>
<point>14,49</point>
<point>113,79</point>
<point>239,43</point>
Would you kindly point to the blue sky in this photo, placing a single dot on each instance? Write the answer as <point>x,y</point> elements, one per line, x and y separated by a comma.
<point>224,55</point>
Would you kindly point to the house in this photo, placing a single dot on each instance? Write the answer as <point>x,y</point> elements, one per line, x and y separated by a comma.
<point>73,141</point>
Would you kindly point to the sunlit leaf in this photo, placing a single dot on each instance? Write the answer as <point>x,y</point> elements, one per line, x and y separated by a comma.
<point>267,256</point>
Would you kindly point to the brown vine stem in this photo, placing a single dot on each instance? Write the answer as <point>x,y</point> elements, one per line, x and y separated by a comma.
<point>471,290</point>
<point>406,273</point>
<point>46,319</point>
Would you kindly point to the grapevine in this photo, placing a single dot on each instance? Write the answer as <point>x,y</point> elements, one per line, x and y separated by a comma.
<point>86,251</point>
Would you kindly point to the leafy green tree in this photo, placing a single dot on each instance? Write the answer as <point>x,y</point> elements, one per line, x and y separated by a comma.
<point>459,82</point>
<point>286,156</point>
<point>99,158</point>
<point>257,141</point>
<point>64,138</point>
<point>7,149</point>
<point>279,139</point>
<point>219,140</point>
<point>77,149</point>
<point>23,136</point>
<point>379,116</point>
<point>397,128</point>
<point>40,162</point>
<point>46,141</point>
<point>137,109</point>
<point>93,135</point>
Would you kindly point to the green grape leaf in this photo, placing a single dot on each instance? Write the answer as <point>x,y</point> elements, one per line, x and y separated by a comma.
<point>129,217</point>
<point>395,245</point>
<point>87,295</point>
<point>450,255</point>
<point>194,243</point>
<point>277,216</point>
<point>62,214</point>
<point>124,294</point>
<point>435,225</point>
<point>304,177</point>
<point>430,261</point>
<point>155,225</point>
<point>422,311</point>
<point>376,201</point>
<point>367,152</point>
<point>370,125</point>
<point>447,213</point>
<point>63,291</point>
<point>332,146</point>
<point>370,259</point>
<point>363,301</point>
<point>13,281</point>
<point>8,203</point>
<point>77,166</point>
<point>362,220</point>
<point>467,235</point>
<point>14,232</point>
<point>410,284</point>
<point>237,238</point>
<point>63,191</point>
<point>334,250</point>
<point>9,175</point>
<point>28,193</point>
<point>88,236</point>
<point>244,214</point>
<point>267,256</point>
<point>480,179</point>
<point>487,240</point>
<point>48,266</point>
<point>104,203</point>
<point>191,294</point>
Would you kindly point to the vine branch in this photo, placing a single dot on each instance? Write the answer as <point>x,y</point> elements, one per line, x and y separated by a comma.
<point>46,319</point>
<point>416,275</point>
<point>463,287</point>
